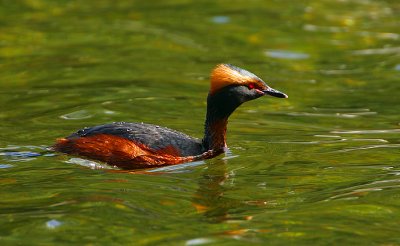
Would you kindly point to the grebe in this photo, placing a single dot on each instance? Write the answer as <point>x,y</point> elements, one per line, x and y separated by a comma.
<point>140,145</point>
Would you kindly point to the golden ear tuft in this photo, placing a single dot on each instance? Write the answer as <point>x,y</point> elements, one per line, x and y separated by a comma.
<point>224,75</point>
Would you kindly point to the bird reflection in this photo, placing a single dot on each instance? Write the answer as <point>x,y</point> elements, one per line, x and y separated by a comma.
<point>209,199</point>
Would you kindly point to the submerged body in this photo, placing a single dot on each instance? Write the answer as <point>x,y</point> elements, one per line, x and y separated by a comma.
<point>140,145</point>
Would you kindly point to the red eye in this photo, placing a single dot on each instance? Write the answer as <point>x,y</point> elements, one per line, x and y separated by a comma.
<point>251,86</point>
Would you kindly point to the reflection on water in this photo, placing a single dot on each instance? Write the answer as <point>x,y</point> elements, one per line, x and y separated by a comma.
<point>88,163</point>
<point>284,54</point>
<point>319,168</point>
<point>52,224</point>
<point>5,165</point>
<point>209,198</point>
<point>23,153</point>
<point>221,19</point>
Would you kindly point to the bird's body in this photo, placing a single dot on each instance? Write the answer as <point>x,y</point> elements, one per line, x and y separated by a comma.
<point>155,137</point>
<point>140,145</point>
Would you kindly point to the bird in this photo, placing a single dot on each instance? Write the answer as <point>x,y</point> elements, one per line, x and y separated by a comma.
<point>141,145</point>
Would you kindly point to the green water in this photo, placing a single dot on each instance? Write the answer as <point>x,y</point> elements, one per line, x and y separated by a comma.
<point>319,168</point>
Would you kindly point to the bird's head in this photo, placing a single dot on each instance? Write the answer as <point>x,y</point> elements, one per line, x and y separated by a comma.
<point>239,85</point>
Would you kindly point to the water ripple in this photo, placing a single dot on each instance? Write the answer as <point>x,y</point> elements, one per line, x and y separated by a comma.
<point>88,163</point>
<point>341,109</point>
<point>21,154</point>
<point>367,131</point>
<point>181,168</point>
<point>341,71</point>
<point>310,142</point>
<point>221,19</point>
<point>361,190</point>
<point>368,147</point>
<point>18,153</point>
<point>335,112</point>
<point>339,29</point>
<point>378,51</point>
<point>77,115</point>
<point>199,241</point>
<point>2,166</point>
<point>337,140</point>
<point>286,54</point>
<point>335,115</point>
<point>52,224</point>
<point>315,28</point>
<point>139,26</point>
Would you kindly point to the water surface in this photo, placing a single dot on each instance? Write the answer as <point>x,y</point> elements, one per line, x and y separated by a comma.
<point>321,167</point>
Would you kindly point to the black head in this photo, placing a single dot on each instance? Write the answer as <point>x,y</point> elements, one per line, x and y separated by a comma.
<point>231,86</point>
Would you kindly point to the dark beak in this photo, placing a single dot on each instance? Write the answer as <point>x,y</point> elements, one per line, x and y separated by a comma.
<point>274,93</point>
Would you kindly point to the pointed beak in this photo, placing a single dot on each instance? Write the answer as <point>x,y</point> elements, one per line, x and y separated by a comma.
<point>274,93</point>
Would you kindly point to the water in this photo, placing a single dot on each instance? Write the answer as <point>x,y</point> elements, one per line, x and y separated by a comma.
<point>321,167</point>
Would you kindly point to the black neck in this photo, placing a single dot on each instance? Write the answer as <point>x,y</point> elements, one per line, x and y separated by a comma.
<point>219,107</point>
